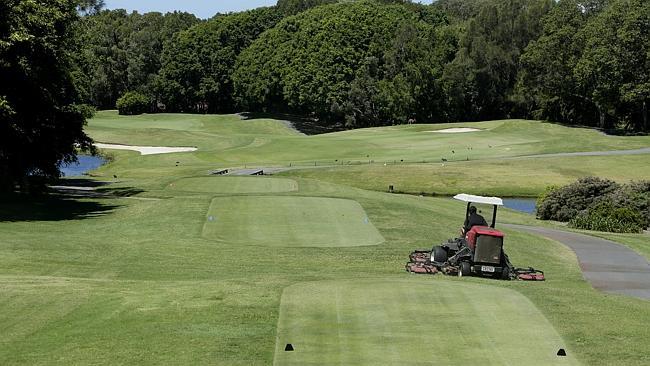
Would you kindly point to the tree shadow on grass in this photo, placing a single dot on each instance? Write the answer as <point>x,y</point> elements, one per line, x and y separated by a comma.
<point>83,187</point>
<point>82,182</point>
<point>306,125</point>
<point>52,207</point>
<point>120,192</point>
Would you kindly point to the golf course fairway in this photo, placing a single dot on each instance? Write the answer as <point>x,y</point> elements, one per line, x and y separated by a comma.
<point>164,264</point>
<point>290,222</point>
<point>392,322</point>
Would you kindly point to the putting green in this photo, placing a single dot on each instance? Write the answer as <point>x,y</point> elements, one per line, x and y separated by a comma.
<point>235,185</point>
<point>423,322</point>
<point>290,222</point>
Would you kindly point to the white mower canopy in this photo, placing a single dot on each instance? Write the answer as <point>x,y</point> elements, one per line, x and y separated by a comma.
<point>479,199</point>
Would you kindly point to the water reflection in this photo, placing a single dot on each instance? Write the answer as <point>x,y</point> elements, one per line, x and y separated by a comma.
<point>86,163</point>
<point>527,205</point>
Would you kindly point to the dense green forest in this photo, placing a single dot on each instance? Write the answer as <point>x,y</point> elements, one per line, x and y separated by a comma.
<point>383,62</point>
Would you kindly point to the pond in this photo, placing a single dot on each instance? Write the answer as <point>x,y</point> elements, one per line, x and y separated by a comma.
<point>86,163</point>
<point>526,205</point>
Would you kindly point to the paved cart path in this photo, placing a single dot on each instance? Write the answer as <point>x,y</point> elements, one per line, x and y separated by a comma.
<point>609,266</point>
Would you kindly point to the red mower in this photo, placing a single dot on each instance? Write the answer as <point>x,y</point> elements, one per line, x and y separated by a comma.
<point>478,252</point>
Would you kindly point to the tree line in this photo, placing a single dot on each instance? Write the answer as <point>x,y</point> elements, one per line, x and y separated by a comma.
<point>382,62</point>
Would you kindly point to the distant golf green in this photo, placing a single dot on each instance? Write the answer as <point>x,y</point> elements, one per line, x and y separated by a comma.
<point>235,185</point>
<point>387,322</point>
<point>290,222</point>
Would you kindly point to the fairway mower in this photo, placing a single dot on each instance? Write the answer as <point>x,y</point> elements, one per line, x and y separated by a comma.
<point>478,252</point>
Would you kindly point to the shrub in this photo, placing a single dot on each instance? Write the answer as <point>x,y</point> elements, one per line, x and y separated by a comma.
<point>132,103</point>
<point>604,216</point>
<point>563,204</point>
<point>635,195</point>
<point>542,197</point>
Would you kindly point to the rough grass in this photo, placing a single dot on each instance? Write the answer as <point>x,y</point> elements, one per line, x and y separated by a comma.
<point>430,322</point>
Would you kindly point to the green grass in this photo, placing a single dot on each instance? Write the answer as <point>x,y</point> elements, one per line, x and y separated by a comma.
<point>140,277</point>
<point>138,284</point>
<point>234,185</point>
<point>411,154</point>
<point>290,222</point>
<point>226,139</point>
<point>386,322</point>
<point>516,177</point>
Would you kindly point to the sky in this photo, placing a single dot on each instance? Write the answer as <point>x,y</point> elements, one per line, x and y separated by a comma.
<point>201,8</point>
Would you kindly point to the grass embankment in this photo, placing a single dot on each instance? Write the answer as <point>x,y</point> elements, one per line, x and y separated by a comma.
<point>505,178</point>
<point>137,281</point>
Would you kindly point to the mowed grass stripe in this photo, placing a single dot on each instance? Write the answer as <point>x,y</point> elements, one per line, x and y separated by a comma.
<point>235,185</point>
<point>415,321</point>
<point>289,222</point>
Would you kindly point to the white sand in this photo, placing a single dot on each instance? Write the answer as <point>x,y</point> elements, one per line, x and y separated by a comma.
<point>456,130</point>
<point>146,150</point>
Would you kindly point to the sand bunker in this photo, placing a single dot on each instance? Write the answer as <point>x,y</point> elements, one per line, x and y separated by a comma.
<point>146,150</point>
<point>456,130</point>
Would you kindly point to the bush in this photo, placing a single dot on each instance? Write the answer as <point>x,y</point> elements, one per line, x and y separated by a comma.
<point>604,216</point>
<point>597,204</point>
<point>133,103</point>
<point>635,195</point>
<point>563,204</point>
<point>542,197</point>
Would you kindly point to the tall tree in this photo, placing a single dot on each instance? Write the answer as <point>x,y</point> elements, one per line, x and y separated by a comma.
<point>480,81</point>
<point>40,122</point>
<point>292,7</point>
<point>197,65</point>
<point>122,52</point>
<point>590,66</point>
<point>360,62</point>
<point>614,68</point>
<point>460,10</point>
<point>88,7</point>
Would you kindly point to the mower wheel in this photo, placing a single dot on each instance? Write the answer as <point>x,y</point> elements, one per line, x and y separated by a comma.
<point>505,273</point>
<point>465,269</point>
<point>439,254</point>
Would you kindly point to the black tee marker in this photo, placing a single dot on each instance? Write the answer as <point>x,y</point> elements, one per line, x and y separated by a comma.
<point>561,352</point>
<point>288,347</point>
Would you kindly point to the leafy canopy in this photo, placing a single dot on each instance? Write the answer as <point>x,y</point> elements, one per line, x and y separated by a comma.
<point>366,63</point>
<point>40,120</point>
